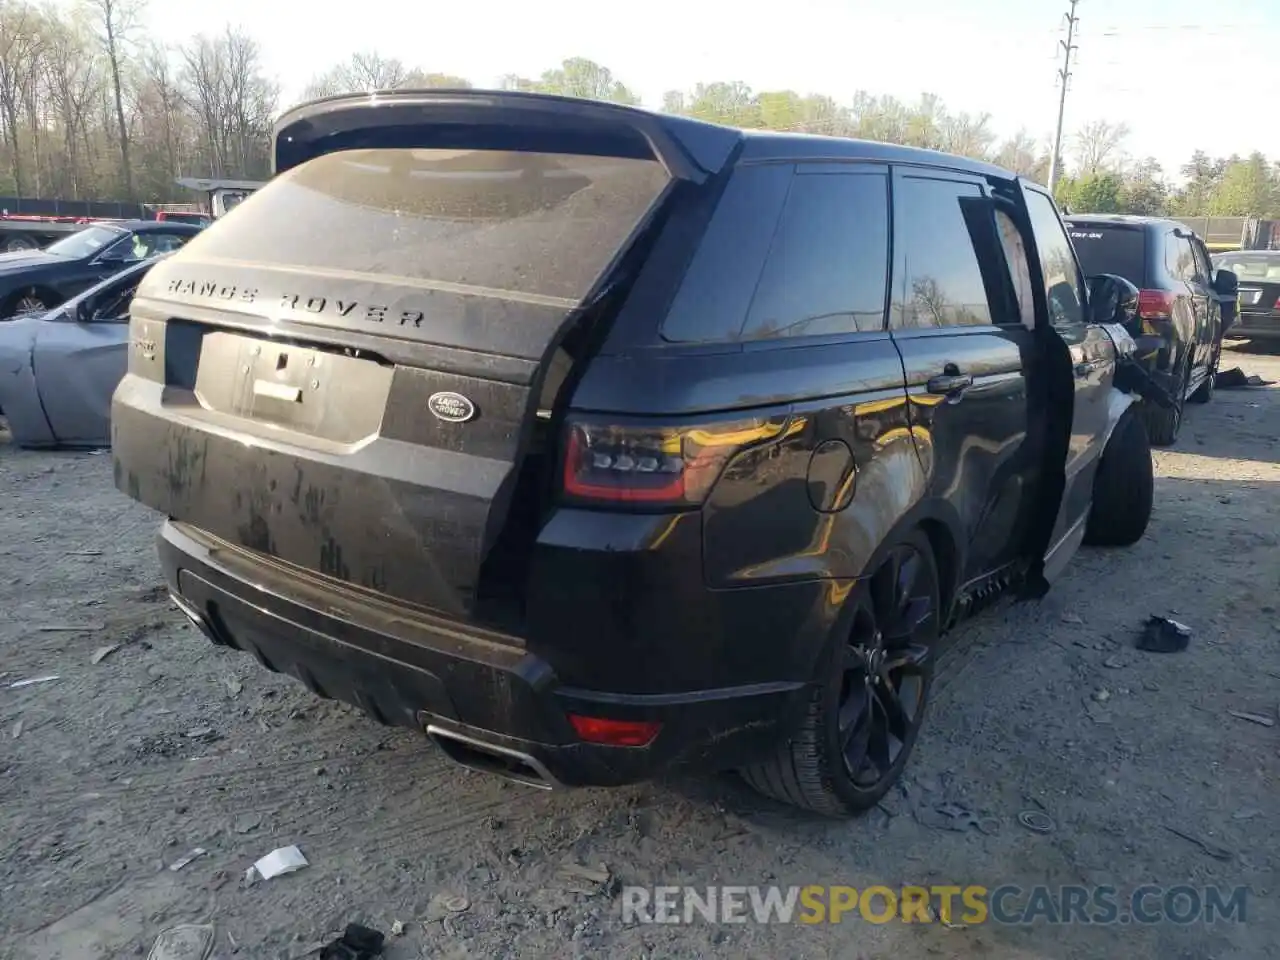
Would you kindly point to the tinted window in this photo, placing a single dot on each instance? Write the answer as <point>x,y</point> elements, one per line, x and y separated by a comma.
<point>1179,261</point>
<point>166,242</point>
<point>1107,249</point>
<point>1057,261</point>
<point>85,242</point>
<point>496,222</point>
<point>941,283</point>
<point>715,295</point>
<point>827,265</point>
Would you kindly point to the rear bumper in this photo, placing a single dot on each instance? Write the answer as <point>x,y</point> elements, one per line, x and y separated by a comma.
<point>1257,326</point>
<point>466,685</point>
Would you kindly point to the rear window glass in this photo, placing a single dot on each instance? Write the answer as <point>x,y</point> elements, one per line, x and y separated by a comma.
<point>1104,249</point>
<point>534,224</point>
<point>1251,269</point>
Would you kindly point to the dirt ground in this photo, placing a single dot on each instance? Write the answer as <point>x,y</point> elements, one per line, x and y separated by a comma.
<point>114,771</point>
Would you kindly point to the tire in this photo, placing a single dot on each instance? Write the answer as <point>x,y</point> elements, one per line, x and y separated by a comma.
<point>1123,487</point>
<point>23,303</point>
<point>1163,425</point>
<point>812,769</point>
<point>18,243</point>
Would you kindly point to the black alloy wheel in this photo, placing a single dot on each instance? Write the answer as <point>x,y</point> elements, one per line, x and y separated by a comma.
<point>865,714</point>
<point>887,666</point>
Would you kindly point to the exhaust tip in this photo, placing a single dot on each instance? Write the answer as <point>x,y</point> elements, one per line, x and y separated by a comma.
<point>489,758</point>
<point>198,619</point>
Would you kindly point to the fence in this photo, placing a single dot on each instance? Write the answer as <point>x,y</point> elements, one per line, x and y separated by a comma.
<point>92,209</point>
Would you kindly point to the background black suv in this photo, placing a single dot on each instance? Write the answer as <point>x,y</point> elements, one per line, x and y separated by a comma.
<point>592,441</point>
<point>1178,302</point>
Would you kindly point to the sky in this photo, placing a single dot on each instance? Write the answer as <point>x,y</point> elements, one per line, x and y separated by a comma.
<point>1170,69</point>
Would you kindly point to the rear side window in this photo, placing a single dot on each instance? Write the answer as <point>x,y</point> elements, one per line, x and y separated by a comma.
<point>1057,261</point>
<point>713,299</point>
<point>787,255</point>
<point>1107,249</point>
<point>493,222</point>
<point>829,260</point>
<point>941,280</point>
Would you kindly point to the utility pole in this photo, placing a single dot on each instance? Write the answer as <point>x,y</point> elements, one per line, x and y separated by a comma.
<point>1064,74</point>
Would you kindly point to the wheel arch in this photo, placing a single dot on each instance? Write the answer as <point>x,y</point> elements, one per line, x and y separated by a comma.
<point>940,523</point>
<point>1117,403</point>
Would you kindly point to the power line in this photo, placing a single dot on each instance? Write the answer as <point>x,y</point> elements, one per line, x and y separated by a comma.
<point>1068,47</point>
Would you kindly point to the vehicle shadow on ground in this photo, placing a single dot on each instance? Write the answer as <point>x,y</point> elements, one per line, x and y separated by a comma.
<point>1239,423</point>
<point>1257,348</point>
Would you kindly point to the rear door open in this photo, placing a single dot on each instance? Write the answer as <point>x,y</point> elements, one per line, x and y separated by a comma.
<point>345,373</point>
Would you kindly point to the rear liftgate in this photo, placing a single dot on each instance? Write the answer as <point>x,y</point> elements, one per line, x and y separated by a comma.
<point>347,374</point>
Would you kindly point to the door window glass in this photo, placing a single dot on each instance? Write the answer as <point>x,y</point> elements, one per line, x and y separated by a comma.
<point>1179,261</point>
<point>1015,252</point>
<point>1057,261</point>
<point>941,283</point>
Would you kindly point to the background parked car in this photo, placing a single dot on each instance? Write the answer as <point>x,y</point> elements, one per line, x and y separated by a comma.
<point>59,369</point>
<point>1181,301</point>
<point>1258,273</point>
<point>38,280</point>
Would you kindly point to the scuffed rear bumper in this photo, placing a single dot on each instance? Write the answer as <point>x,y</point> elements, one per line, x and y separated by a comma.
<point>409,669</point>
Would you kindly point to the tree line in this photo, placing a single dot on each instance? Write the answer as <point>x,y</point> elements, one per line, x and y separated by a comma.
<point>90,109</point>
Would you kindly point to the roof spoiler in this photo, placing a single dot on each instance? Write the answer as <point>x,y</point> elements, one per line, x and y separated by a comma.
<point>500,120</point>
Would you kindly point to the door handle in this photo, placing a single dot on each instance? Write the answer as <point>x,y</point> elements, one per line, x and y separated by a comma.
<point>949,383</point>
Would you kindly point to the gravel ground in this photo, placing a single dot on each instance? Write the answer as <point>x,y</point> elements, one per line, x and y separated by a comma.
<point>119,768</point>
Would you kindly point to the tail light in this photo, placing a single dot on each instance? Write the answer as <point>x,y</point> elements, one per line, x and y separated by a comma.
<point>1155,304</point>
<point>655,465</point>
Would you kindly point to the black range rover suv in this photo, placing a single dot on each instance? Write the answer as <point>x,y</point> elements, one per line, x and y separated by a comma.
<point>593,441</point>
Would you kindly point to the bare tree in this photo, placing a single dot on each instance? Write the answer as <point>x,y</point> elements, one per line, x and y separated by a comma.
<point>116,20</point>
<point>1099,145</point>
<point>372,71</point>
<point>20,48</point>
<point>74,83</point>
<point>966,135</point>
<point>157,68</point>
<point>224,85</point>
<point>1024,156</point>
<point>364,71</point>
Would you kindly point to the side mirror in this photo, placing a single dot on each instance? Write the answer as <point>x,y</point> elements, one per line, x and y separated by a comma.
<point>1112,299</point>
<point>1226,283</point>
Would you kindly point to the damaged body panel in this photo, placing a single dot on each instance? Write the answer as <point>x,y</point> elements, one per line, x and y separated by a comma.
<point>592,441</point>
<point>19,395</point>
<point>58,371</point>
